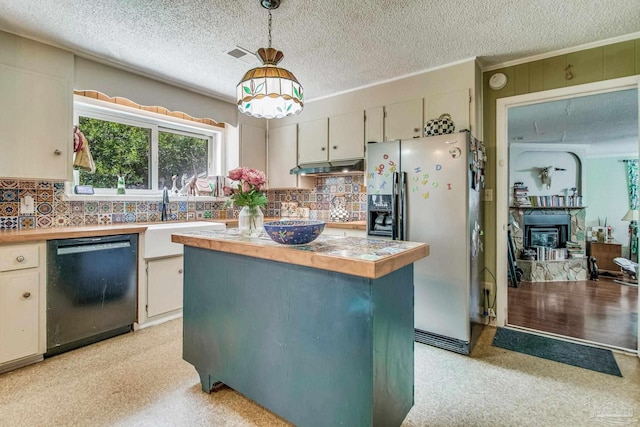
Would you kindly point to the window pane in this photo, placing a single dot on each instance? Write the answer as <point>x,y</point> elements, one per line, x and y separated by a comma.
<point>117,149</point>
<point>180,155</point>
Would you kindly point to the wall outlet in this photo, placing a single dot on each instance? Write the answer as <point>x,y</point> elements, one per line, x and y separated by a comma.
<point>492,293</point>
<point>27,206</point>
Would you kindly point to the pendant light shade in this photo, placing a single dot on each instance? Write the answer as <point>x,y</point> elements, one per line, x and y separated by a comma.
<point>269,92</point>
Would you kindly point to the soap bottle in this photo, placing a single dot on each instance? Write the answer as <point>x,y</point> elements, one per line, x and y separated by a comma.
<point>120,187</point>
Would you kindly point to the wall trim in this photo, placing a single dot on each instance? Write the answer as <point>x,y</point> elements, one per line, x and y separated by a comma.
<point>393,79</point>
<point>564,51</point>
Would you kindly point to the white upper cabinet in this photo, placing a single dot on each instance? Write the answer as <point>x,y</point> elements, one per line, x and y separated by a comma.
<point>339,137</point>
<point>36,103</point>
<point>374,125</point>
<point>313,140</point>
<point>253,147</point>
<point>403,120</point>
<point>457,104</point>
<point>346,136</point>
<point>282,157</point>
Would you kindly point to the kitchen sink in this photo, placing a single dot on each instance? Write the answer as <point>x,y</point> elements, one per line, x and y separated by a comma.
<point>157,238</point>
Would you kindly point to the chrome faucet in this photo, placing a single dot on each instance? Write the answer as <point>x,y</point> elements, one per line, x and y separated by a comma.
<point>165,204</point>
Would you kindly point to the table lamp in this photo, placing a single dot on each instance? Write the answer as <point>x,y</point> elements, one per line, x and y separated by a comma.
<point>632,216</point>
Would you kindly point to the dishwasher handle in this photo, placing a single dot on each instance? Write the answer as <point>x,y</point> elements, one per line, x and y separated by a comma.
<point>92,244</point>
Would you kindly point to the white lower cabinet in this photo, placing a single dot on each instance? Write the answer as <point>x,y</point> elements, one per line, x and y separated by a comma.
<point>22,305</point>
<point>164,285</point>
<point>161,266</point>
<point>19,305</point>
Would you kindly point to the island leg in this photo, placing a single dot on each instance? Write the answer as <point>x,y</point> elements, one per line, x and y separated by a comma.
<point>209,383</point>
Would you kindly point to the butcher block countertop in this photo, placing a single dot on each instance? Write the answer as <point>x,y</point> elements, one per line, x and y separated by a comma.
<point>40,234</point>
<point>351,225</point>
<point>370,258</point>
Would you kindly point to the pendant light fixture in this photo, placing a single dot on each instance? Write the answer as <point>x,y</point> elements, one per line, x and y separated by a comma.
<point>269,92</point>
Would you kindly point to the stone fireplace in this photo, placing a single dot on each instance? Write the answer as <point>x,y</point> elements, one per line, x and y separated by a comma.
<point>551,228</point>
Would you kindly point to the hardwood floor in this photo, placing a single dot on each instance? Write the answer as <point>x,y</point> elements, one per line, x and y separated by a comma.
<point>600,311</point>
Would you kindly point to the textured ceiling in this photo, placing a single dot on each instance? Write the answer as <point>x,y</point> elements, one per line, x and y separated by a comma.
<point>331,46</point>
<point>607,123</point>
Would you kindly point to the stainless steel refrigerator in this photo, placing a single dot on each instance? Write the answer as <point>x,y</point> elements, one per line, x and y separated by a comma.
<point>428,190</point>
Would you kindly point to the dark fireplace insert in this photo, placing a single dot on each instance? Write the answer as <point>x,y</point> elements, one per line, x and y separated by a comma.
<point>550,230</point>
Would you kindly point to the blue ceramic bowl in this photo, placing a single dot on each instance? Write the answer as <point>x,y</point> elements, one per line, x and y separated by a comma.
<point>293,232</point>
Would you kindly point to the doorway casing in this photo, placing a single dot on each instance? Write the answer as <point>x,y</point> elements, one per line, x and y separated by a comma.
<point>502,168</point>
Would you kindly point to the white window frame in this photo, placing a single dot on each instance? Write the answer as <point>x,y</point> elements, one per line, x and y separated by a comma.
<point>101,110</point>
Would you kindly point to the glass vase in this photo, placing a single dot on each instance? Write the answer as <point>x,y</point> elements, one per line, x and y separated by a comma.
<point>250,220</point>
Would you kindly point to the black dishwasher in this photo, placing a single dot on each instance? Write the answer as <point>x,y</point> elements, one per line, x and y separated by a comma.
<point>91,290</point>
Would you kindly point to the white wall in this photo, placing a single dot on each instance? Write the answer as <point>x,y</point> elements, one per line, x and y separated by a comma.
<point>526,160</point>
<point>608,196</point>
<point>91,75</point>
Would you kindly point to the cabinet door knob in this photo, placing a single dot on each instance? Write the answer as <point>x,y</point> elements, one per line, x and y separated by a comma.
<point>323,148</point>
<point>57,152</point>
<point>26,295</point>
<point>335,147</point>
<point>20,258</point>
<point>180,271</point>
<point>416,129</point>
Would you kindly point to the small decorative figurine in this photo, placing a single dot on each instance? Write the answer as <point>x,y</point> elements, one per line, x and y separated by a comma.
<point>174,187</point>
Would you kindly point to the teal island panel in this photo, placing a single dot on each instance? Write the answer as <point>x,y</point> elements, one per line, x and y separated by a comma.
<point>316,347</point>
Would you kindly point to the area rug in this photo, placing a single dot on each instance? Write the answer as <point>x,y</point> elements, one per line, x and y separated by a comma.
<point>582,356</point>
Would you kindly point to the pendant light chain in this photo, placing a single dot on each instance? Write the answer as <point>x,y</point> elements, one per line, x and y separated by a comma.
<point>269,28</point>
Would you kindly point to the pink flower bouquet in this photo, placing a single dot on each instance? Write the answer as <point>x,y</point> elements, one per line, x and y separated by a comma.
<point>248,188</point>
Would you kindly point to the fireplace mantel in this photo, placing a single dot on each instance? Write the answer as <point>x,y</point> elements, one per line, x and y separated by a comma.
<point>548,208</point>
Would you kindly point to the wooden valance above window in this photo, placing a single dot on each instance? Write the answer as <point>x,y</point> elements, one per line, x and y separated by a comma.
<point>159,110</point>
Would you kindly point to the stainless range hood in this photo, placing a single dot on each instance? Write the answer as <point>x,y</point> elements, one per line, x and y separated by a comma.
<point>329,168</point>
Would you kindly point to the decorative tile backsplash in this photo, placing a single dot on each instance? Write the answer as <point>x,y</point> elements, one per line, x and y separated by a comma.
<point>54,209</point>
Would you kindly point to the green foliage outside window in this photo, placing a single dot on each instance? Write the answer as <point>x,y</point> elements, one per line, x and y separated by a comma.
<point>178,155</point>
<point>117,150</point>
<point>124,150</point>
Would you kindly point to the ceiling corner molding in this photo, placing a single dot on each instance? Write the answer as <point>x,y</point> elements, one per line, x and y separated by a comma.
<point>152,109</point>
<point>559,52</point>
<point>393,79</point>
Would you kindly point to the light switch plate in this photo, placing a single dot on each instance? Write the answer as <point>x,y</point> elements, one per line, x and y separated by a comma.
<point>27,206</point>
<point>487,195</point>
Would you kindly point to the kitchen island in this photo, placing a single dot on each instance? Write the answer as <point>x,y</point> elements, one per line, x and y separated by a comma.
<point>321,334</point>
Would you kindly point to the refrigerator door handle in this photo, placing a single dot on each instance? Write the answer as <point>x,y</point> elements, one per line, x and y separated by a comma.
<point>402,202</point>
<point>394,206</point>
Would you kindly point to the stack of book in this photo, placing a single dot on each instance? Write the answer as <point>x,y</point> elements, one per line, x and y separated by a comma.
<point>550,254</point>
<point>521,194</point>
<point>575,250</point>
<point>555,201</point>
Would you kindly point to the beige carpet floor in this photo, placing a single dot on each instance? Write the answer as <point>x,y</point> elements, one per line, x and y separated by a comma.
<point>140,379</point>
